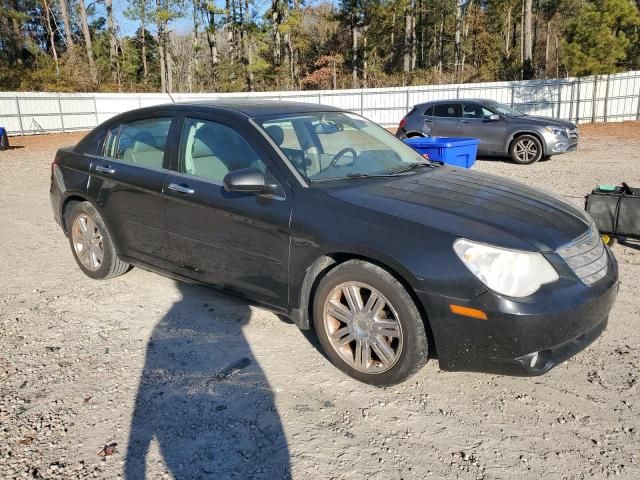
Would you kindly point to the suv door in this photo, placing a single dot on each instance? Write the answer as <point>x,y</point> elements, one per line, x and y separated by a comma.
<point>128,179</point>
<point>238,241</point>
<point>476,123</point>
<point>446,119</point>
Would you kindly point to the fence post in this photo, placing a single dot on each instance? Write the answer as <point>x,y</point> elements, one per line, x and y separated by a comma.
<point>362,102</point>
<point>606,98</point>
<point>573,87</point>
<point>61,116</point>
<point>408,104</point>
<point>638,112</point>
<point>95,110</point>
<point>578,102</point>
<point>559,102</point>
<point>594,96</point>
<point>20,116</point>
<point>513,93</point>
<point>319,97</point>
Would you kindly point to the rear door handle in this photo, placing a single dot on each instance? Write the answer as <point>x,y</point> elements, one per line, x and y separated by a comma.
<point>105,169</point>
<point>181,189</point>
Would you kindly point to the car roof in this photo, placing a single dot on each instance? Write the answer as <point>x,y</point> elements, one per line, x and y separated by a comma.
<point>457,100</point>
<point>260,107</point>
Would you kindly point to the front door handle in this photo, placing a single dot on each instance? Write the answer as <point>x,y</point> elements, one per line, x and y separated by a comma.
<point>181,189</point>
<point>105,169</point>
<point>466,121</point>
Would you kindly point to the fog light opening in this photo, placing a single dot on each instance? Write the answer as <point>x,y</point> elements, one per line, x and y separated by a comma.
<point>560,147</point>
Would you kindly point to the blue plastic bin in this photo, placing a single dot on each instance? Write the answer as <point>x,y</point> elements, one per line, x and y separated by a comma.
<point>460,152</point>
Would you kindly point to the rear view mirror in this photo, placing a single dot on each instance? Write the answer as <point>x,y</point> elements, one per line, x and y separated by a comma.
<point>248,180</point>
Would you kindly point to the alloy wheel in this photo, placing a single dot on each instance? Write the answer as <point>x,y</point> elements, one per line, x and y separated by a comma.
<point>363,327</point>
<point>525,150</point>
<point>87,242</point>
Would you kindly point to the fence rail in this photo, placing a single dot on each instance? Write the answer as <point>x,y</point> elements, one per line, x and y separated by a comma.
<point>604,98</point>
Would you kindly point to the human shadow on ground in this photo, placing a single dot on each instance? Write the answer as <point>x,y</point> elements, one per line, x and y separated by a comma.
<point>204,399</point>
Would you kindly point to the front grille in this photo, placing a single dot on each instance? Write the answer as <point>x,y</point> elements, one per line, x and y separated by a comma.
<point>587,257</point>
<point>573,133</point>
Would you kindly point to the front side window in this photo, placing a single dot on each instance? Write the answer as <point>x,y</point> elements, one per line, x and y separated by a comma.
<point>474,110</point>
<point>450,110</point>
<point>336,145</point>
<point>210,150</point>
<point>141,142</point>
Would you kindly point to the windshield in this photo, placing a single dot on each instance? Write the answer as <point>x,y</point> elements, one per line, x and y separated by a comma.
<point>326,146</point>
<point>500,108</point>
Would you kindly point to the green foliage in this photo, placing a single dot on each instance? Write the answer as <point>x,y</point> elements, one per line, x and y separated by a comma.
<point>309,44</point>
<point>602,37</point>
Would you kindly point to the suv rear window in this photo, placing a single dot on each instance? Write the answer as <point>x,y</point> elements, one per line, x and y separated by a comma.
<point>447,110</point>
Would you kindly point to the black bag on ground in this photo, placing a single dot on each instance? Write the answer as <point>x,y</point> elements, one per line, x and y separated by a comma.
<point>4,139</point>
<point>616,210</point>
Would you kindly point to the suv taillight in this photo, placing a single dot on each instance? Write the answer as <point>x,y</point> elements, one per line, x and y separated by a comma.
<point>403,122</point>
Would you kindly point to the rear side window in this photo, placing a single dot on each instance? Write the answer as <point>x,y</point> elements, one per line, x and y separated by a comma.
<point>447,110</point>
<point>429,111</point>
<point>141,142</point>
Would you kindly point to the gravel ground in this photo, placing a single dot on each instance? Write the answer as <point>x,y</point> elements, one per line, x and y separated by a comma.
<point>142,375</point>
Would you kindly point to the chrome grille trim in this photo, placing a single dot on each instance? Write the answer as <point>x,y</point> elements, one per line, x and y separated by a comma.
<point>586,256</point>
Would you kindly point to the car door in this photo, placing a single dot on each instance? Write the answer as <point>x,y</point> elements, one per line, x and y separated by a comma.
<point>127,179</point>
<point>238,241</point>
<point>446,118</point>
<point>476,122</point>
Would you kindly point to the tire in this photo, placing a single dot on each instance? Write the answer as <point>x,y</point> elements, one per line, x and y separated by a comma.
<point>88,233</point>
<point>4,140</point>
<point>385,359</point>
<point>525,150</point>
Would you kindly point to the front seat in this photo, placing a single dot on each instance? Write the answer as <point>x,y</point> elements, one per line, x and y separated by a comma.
<point>204,161</point>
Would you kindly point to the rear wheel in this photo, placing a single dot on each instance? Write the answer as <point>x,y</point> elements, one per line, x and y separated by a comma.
<point>91,243</point>
<point>368,324</point>
<point>525,150</point>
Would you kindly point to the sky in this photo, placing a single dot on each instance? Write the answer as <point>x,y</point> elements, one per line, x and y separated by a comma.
<point>181,25</point>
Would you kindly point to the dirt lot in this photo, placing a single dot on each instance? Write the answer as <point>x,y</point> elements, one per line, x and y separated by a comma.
<point>191,384</point>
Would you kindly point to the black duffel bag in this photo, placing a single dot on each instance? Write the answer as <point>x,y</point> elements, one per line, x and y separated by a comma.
<point>4,139</point>
<point>616,210</point>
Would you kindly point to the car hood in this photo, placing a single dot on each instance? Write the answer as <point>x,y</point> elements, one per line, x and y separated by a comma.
<point>545,121</point>
<point>474,205</point>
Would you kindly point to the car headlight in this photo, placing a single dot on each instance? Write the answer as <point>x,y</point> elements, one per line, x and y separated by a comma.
<point>557,131</point>
<point>515,273</point>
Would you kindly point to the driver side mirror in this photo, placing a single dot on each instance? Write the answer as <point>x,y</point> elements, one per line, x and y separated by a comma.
<point>248,180</point>
<point>494,117</point>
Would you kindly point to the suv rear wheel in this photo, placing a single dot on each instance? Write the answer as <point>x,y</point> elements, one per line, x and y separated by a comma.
<point>525,150</point>
<point>368,324</point>
<point>91,243</point>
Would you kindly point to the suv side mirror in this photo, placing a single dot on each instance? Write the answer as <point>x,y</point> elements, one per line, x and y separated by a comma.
<point>248,180</point>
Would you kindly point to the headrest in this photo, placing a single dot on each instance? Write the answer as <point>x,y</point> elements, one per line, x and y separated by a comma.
<point>204,142</point>
<point>144,141</point>
<point>276,133</point>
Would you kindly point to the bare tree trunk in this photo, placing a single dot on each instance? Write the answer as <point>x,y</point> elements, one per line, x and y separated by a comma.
<point>507,40</point>
<point>145,67</point>
<point>546,46</point>
<point>248,54</point>
<point>52,39</point>
<point>113,48</point>
<point>354,47</point>
<point>87,41</point>
<point>162,49</point>
<point>276,20</point>
<point>413,36</point>
<point>458,40</point>
<point>408,22</point>
<point>527,53</point>
<point>64,12</point>
<point>441,44</point>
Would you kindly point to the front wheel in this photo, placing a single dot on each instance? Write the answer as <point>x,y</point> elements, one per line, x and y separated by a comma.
<point>525,150</point>
<point>368,325</point>
<point>91,243</point>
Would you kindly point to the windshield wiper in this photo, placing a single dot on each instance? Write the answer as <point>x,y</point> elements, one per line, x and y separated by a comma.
<point>368,175</point>
<point>409,167</point>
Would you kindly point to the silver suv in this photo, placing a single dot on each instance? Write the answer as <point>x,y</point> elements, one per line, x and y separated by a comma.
<point>502,130</point>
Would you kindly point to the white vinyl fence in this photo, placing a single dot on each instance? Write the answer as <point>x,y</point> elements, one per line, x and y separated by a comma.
<point>605,98</point>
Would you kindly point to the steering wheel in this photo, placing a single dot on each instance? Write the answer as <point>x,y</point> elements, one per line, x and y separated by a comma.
<point>340,154</point>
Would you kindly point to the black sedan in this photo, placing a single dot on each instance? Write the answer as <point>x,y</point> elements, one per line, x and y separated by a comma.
<point>325,217</point>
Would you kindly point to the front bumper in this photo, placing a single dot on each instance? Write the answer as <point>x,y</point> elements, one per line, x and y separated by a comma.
<point>526,337</point>
<point>555,144</point>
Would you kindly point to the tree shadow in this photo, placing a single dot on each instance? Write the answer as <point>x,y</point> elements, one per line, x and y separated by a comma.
<point>204,399</point>
<point>12,147</point>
